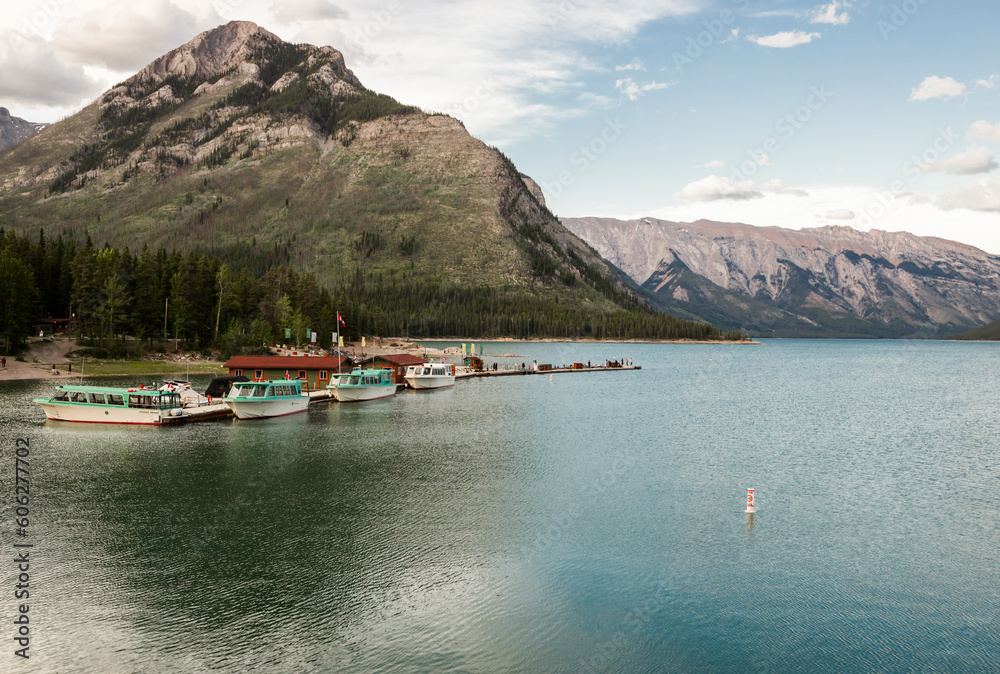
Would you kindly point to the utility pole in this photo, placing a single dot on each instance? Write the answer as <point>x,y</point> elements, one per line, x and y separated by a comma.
<point>166,305</point>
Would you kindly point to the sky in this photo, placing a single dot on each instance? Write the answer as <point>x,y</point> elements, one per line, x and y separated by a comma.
<point>869,114</point>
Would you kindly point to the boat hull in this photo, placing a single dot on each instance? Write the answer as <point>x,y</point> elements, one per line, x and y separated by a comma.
<point>95,414</point>
<point>430,381</point>
<point>265,409</point>
<point>357,394</point>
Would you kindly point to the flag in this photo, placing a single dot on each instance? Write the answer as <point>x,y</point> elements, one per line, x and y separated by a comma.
<point>333,337</point>
<point>288,333</point>
<point>340,342</point>
<point>341,320</point>
<point>313,338</point>
<point>362,342</point>
<point>463,349</point>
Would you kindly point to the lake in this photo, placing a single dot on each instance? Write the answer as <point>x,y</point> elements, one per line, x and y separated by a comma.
<point>591,522</point>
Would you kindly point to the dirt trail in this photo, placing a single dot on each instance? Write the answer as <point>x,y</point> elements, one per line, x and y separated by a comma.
<point>48,352</point>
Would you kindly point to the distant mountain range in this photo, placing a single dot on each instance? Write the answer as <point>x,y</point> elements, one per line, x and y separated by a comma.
<point>826,281</point>
<point>264,152</point>
<point>14,130</point>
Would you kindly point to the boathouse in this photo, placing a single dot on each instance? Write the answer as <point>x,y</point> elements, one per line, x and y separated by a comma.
<point>397,362</point>
<point>313,371</point>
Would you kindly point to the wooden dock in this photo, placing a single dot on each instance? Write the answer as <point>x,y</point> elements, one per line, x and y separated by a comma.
<point>554,370</point>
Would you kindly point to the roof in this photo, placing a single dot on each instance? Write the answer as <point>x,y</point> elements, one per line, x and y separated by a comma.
<point>287,362</point>
<point>401,359</point>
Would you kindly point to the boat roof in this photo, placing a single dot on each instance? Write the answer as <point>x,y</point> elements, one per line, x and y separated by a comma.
<point>110,389</point>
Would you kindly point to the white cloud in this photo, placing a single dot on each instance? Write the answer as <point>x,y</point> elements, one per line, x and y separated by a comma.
<point>784,39</point>
<point>937,87</point>
<point>33,76</point>
<point>828,14</point>
<point>981,195</point>
<point>636,64</point>
<point>288,11</point>
<point>714,188</point>
<point>715,163</point>
<point>840,214</point>
<point>778,187</point>
<point>972,161</point>
<point>983,130</point>
<point>990,83</point>
<point>128,38</point>
<point>633,90</point>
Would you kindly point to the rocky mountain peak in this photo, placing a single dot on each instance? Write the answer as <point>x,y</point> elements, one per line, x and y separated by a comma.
<point>14,130</point>
<point>208,53</point>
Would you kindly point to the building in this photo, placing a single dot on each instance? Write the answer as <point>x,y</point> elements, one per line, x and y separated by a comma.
<point>397,362</point>
<point>313,371</point>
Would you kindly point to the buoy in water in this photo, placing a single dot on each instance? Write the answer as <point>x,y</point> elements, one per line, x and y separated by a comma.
<point>751,508</point>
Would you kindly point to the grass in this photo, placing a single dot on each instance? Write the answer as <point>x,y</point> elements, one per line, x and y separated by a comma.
<point>100,367</point>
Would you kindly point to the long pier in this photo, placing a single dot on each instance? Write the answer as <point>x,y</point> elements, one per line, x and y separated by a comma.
<point>552,370</point>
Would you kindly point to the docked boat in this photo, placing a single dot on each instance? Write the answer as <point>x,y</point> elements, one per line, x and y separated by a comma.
<point>265,399</point>
<point>103,405</point>
<point>359,385</point>
<point>430,375</point>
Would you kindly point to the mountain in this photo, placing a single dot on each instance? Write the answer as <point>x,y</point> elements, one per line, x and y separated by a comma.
<point>825,281</point>
<point>263,152</point>
<point>14,130</point>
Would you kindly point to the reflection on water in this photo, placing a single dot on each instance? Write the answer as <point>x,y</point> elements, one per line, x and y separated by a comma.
<point>594,522</point>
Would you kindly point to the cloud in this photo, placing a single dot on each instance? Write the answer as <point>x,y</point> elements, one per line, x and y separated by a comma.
<point>784,39</point>
<point>972,161</point>
<point>990,83</point>
<point>937,87</point>
<point>983,130</point>
<point>289,11</point>
<point>778,187</point>
<point>128,38</point>
<point>828,14</point>
<point>715,163</point>
<point>34,76</point>
<point>636,64</point>
<point>982,195</point>
<point>714,188</point>
<point>840,214</point>
<point>629,87</point>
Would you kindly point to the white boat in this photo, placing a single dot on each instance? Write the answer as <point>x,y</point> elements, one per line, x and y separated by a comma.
<point>103,405</point>
<point>359,385</point>
<point>265,399</point>
<point>430,375</point>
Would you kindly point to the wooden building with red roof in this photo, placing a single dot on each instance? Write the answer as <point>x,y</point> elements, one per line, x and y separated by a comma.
<point>313,371</point>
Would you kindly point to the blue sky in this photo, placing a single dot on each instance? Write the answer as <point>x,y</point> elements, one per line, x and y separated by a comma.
<point>797,114</point>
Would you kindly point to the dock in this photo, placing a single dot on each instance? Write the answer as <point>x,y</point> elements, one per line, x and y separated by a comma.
<point>552,370</point>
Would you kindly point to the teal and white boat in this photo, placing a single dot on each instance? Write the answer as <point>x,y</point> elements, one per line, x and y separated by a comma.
<point>103,405</point>
<point>264,399</point>
<point>359,385</point>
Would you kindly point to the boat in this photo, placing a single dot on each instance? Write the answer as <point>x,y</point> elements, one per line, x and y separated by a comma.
<point>265,399</point>
<point>104,405</point>
<point>359,385</point>
<point>430,375</point>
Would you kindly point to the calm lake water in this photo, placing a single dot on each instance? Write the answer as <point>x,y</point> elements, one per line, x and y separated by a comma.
<point>594,522</point>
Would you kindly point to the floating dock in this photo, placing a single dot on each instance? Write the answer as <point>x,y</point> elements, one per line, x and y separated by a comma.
<point>552,370</point>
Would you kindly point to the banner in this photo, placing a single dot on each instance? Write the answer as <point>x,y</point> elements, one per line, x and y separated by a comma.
<point>340,342</point>
<point>288,333</point>
<point>362,342</point>
<point>313,338</point>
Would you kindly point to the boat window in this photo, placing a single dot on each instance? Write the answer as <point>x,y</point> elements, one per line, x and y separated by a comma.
<point>78,397</point>
<point>140,401</point>
<point>427,370</point>
<point>259,391</point>
<point>61,396</point>
<point>355,380</point>
<point>96,398</point>
<point>116,399</point>
<point>170,400</point>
